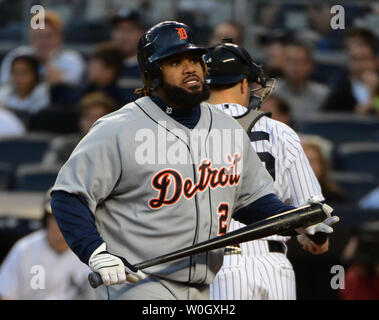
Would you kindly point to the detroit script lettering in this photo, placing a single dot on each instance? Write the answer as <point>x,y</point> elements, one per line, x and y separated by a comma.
<point>208,177</point>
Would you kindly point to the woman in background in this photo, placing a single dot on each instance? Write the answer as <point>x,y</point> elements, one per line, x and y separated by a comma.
<point>25,94</point>
<point>331,191</point>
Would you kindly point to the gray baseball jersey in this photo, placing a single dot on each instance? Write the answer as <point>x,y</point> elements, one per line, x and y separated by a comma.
<point>155,186</point>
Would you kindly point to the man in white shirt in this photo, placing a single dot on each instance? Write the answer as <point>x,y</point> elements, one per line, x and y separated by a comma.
<point>40,266</point>
<point>303,94</point>
<point>10,125</point>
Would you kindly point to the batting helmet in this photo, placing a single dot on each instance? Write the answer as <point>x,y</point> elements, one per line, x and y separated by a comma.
<point>162,41</point>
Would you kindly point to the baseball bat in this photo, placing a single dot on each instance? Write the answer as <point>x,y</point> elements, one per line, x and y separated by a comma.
<point>278,224</point>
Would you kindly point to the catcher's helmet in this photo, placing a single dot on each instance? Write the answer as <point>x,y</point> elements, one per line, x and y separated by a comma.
<point>228,64</point>
<point>162,41</point>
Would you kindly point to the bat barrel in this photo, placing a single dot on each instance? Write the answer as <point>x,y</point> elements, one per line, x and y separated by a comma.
<point>281,223</point>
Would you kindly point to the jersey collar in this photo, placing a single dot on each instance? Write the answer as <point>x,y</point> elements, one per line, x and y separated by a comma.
<point>188,118</point>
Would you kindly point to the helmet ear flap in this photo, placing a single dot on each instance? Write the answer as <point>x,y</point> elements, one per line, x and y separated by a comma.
<point>153,72</point>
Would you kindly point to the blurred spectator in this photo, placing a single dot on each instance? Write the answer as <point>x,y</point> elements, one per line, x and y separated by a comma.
<point>326,146</point>
<point>359,91</point>
<point>357,36</point>
<point>311,21</point>
<point>92,107</point>
<point>25,94</point>
<point>371,200</point>
<point>279,109</point>
<point>227,29</point>
<point>325,37</point>
<point>127,28</point>
<point>40,266</point>
<point>318,161</point>
<point>10,125</point>
<point>104,67</point>
<point>197,16</point>
<point>362,255</point>
<point>303,95</point>
<point>269,15</point>
<point>274,46</point>
<point>58,65</point>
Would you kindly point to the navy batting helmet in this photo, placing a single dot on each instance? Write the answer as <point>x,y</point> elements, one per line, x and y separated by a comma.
<point>162,41</point>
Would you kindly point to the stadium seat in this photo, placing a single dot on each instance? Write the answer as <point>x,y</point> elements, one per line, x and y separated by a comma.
<point>360,157</point>
<point>340,127</point>
<point>5,176</point>
<point>12,32</point>
<point>355,185</point>
<point>55,119</point>
<point>35,178</point>
<point>21,150</point>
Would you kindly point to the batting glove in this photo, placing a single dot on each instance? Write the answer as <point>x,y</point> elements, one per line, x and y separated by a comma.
<point>113,269</point>
<point>324,226</point>
<point>312,247</point>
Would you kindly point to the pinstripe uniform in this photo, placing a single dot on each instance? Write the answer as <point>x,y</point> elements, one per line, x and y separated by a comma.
<point>258,272</point>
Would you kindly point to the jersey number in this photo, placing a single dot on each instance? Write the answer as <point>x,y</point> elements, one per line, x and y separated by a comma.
<point>223,212</point>
<point>265,157</point>
<point>269,161</point>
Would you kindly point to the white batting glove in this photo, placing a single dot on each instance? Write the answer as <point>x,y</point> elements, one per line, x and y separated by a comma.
<point>112,269</point>
<point>309,245</point>
<point>324,226</point>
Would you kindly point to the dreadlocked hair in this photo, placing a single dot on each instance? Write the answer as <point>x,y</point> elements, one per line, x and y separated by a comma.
<point>146,89</point>
<point>143,92</point>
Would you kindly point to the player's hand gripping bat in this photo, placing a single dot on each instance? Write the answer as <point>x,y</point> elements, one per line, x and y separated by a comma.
<point>281,223</point>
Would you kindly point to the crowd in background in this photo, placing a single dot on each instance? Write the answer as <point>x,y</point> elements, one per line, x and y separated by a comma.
<point>45,80</point>
<point>47,87</point>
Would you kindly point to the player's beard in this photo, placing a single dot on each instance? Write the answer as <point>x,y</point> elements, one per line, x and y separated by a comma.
<point>184,99</point>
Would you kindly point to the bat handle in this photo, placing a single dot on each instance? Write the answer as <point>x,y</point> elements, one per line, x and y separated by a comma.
<point>95,280</point>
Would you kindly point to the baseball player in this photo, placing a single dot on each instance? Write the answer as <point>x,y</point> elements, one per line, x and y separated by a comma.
<point>40,266</point>
<point>260,269</point>
<point>157,176</point>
